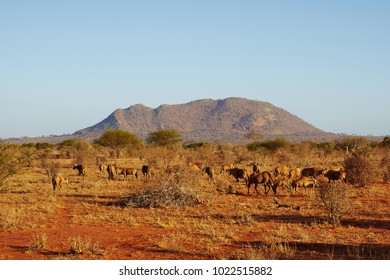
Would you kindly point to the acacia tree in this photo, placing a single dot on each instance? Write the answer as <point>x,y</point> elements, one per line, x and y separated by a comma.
<point>118,140</point>
<point>164,137</point>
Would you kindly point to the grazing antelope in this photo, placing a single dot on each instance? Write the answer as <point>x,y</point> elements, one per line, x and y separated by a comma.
<point>306,182</point>
<point>335,175</point>
<point>312,172</point>
<point>58,181</point>
<point>80,168</point>
<point>129,171</point>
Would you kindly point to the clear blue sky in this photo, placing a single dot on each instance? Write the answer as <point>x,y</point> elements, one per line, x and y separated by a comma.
<point>66,65</point>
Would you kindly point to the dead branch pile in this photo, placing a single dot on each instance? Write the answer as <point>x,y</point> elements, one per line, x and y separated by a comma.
<point>167,195</point>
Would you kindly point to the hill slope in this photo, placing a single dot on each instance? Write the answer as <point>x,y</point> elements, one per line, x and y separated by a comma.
<point>226,120</point>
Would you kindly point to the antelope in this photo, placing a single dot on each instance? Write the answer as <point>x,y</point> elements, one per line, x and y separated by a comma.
<point>264,178</point>
<point>129,171</point>
<point>58,181</point>
<point>111,169</point>
<point>80,168</point>
<point>239,173</point>
<point>147,170</point>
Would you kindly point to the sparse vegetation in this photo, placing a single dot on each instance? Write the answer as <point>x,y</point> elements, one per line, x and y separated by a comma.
<point>335,200</point>
<point>182,213</point>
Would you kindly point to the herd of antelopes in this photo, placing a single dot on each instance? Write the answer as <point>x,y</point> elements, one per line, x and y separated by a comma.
<point>58,180</point>
<point>281,176</point>
<point>285,177</point>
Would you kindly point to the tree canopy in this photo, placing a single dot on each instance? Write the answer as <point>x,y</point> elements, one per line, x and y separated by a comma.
<point>119,139</point>
<point>164,137</point>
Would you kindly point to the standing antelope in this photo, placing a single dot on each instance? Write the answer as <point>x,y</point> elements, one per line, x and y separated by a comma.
<point>264,178</point>
<point>111,169</point>
<point>147,170</point>
<point>80,168</point>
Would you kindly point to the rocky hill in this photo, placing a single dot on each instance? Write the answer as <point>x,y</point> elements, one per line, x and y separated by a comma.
<point>221,121</point>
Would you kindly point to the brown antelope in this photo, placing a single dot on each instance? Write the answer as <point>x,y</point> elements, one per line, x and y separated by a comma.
<point>80,168</point>
<point>147,171</point>
<point>305,182</point>
<point>239,173</point>
<point>58,181</point>
<point>111,169</point>
<point>264,178</point>
<point>129,171</point>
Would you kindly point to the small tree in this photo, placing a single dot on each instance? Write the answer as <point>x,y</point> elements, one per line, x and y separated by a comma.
<point>9,163</point>
<point>164,137</point>
<point>119,140</point>
<point>354,144</point>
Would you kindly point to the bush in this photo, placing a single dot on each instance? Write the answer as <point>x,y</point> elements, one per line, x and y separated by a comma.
<point>9,163</point>
<point>80,149</point>
<point>169,194</point>
<point>385,165</point>
<point>272,145</point>
<point>335,200</point>
<point>359,169</point>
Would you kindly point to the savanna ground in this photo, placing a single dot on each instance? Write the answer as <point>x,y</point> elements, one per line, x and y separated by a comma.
<point>96,218</point>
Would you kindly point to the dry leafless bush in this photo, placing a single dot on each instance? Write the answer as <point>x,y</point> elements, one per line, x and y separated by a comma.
<point>359,169</point>
<point>79,245</point>
<point>52,169</point>
<point>334,198</point>
<point>38,242</point>
<point>385,165</point>
<point>170,193</point>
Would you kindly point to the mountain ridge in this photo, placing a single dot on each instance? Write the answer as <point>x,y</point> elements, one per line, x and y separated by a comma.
<point>221,120</point>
